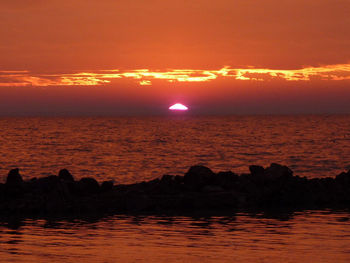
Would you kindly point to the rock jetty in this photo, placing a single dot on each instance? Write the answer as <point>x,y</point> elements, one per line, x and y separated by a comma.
<point>200,189</point>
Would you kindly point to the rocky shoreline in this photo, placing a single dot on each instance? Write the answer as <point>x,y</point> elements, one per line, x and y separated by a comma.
<point>200,189</point>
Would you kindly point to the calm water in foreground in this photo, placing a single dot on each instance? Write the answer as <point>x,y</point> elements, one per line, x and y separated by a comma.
<point>135,149</point>
<point>318,236</point>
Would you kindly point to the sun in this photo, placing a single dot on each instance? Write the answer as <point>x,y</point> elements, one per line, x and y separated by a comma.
<point>178,106</point>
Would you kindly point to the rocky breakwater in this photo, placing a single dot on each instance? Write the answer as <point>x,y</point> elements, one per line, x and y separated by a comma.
<point>200,189</point>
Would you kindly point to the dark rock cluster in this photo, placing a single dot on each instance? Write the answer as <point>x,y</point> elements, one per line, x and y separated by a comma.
<point>200,189</point>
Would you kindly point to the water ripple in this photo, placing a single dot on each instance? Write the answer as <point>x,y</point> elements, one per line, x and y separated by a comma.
<point>135,149</point>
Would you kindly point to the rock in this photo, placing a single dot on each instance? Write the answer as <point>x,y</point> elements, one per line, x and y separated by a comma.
<point>343,178</point>
<point>65,175</point>
<point>179,179</point>
<point>106,186</point>
<point>150,186</point>
<point>169,184</point>
<point>226,180</point>
<point>198,176</point>
<point>2,190</point>
<point>167,179</point>
<point>88,185</point>
<point>277,171</point>
<point>55,202</point>
<point>46,184</point>
<point>213,201</point>
<point>138,203</point>
<point>199,190</point>
<point>212,189</point>
<point>256,170</point>
<point>14,179</point>
<point>171,180</point>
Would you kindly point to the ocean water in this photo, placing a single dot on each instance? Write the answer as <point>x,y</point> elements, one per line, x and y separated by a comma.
<point>303,237</point>
<point>129,150</point>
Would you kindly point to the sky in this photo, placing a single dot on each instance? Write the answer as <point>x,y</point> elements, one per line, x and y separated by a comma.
<point>105,57</point>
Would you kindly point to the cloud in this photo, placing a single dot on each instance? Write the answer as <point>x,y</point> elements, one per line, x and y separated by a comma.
<point>145,77</point>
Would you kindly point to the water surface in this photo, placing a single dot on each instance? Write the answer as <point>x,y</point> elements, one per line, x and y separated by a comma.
<point>303,237</point>
<point>135,149</point>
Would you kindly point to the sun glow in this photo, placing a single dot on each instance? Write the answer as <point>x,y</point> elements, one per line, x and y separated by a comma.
<point>178,106</point>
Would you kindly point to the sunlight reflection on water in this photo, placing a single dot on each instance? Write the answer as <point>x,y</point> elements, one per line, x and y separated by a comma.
<point>134,149</point>
<point>309,236</point>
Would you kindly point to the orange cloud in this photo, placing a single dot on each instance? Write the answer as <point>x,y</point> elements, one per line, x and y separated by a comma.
<point>145,76</point>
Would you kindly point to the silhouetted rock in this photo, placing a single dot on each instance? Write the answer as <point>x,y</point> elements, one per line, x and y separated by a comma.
<point>169,184</point>
<point>106,186</point>
<point>343,178</point>
<point>138,203</point>
<point>179,179</point>
<point>198,176</point>
<point>167,179</point>
<point>276,171</point>
<point>88,185</point>
<point>57,200</point>
<point>65,175</point>
<point>200,189</point>
<point>256,170</point>
<point>212,189</point>
<point>226,180</point>
<point>46,184</point>
<point>2,191</point>
<point>14,179</point>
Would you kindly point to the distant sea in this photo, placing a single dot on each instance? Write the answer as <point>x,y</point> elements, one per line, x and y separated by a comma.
<point>133,149</point>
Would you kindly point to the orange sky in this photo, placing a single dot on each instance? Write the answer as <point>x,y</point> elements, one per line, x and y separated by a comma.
<point>139,55</point>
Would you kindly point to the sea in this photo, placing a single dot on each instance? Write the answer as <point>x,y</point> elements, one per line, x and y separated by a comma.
<point>135,149</point>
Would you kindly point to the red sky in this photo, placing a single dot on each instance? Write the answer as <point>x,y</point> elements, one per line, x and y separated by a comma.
<point>84,56</point>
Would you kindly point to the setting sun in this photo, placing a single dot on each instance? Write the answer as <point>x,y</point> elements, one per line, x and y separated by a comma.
<point>178,106</point>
